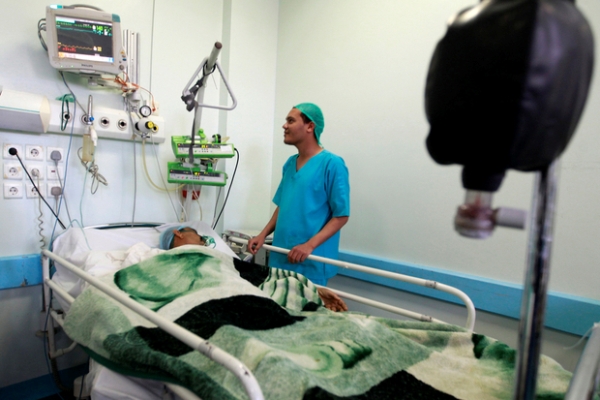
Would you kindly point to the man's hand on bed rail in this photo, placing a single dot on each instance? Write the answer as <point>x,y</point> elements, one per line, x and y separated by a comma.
<point>331,300</point>
<point>255,243</point>
<point>300,253</point>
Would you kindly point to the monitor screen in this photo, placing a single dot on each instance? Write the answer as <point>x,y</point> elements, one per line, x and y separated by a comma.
<point>84,40</point>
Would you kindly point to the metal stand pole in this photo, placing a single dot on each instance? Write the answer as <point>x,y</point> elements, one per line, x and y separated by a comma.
<point>533,305</point>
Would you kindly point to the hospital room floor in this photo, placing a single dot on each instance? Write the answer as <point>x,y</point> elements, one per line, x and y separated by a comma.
<point>59,396</point>
<point>44,387</point>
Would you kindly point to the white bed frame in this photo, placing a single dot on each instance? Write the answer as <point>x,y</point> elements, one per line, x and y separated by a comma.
<point>205,347</point>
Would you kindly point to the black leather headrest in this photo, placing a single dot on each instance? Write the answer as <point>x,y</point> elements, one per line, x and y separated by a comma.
<point>506,87</point>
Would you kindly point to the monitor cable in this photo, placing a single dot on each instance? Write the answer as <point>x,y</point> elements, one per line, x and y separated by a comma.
<point>40,217</point>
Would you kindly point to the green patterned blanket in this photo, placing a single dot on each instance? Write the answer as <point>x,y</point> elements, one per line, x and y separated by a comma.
<point>273,322</point>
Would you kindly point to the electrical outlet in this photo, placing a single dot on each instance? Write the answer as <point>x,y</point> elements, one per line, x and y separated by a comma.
<point>13,190</point>
<point>53,185</point>
<point>34,152</point>
<point>13,171</point>
<point>32,193</point>
<point>7,146</point>
<point>49,151</point>
<point>54,172</point>
<point>36,171</point>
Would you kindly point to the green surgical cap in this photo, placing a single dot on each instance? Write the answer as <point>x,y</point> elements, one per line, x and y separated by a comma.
<point>165,241</point>
<point>313,112</point>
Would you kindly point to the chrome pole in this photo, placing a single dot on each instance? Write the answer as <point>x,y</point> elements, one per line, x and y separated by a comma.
<point>533,306</point>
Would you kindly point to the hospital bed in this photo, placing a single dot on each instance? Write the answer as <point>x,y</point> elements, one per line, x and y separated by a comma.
<point>85,255</point>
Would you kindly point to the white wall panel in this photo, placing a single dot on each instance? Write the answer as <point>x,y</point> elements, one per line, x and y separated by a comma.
<point>365,64</point>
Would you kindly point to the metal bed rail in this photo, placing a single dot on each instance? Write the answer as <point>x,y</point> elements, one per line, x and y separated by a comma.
<point>466,300</point>
<point>399,277</point>
<point>183,393</point>
<point>586,378</point>
<point>203,346</point>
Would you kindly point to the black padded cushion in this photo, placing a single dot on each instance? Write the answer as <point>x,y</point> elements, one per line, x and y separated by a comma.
<point>506,87</point>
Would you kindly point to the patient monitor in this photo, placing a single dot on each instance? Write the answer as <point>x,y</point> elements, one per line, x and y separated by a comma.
<point>84,40</point>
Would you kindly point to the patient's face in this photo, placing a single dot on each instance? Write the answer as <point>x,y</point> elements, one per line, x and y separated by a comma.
<point>186,236</point>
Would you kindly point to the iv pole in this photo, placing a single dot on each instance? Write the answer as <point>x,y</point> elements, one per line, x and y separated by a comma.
<point>533,305</point>
<point>207,67</point>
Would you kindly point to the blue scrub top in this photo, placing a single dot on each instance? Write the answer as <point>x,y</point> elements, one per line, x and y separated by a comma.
<point>307,200</point>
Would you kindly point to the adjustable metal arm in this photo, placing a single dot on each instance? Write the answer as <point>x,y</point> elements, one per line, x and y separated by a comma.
<point>207,67</point>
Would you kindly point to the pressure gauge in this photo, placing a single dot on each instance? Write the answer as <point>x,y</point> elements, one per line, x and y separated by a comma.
<point>145,111</point>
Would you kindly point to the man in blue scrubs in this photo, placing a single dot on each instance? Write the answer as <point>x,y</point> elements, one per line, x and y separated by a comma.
<point>313,200</point>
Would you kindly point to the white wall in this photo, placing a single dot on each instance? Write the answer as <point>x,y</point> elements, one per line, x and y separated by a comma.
<point>252,68</point>
<point>175,37</point>
<point>365,64</point>
<point>576,251</point>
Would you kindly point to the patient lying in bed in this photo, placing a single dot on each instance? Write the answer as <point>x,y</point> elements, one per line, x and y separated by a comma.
<point>185,235</point>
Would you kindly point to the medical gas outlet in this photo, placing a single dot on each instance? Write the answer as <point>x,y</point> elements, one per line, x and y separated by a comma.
<point>146,126</point>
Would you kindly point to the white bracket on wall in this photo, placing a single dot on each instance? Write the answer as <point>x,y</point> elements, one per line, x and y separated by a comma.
<point>31,113</point>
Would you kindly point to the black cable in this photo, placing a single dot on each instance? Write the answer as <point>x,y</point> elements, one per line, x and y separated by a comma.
<point>82,383</point>
<point>192,139</point>
<point>229,189</point>
<point>52,366</point>
<point>56,376</point>
<point>134,182</point>
<point>13,152</point>
<point>42,27</point>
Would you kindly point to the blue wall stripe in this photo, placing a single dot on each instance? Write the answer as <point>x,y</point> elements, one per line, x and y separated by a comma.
<point>18,271</point>
<point>42,386</point>
<point>564,312</point>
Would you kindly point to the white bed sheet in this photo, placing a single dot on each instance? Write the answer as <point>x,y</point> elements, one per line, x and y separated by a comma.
<point>100,251</point>
<point>108,385</point>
